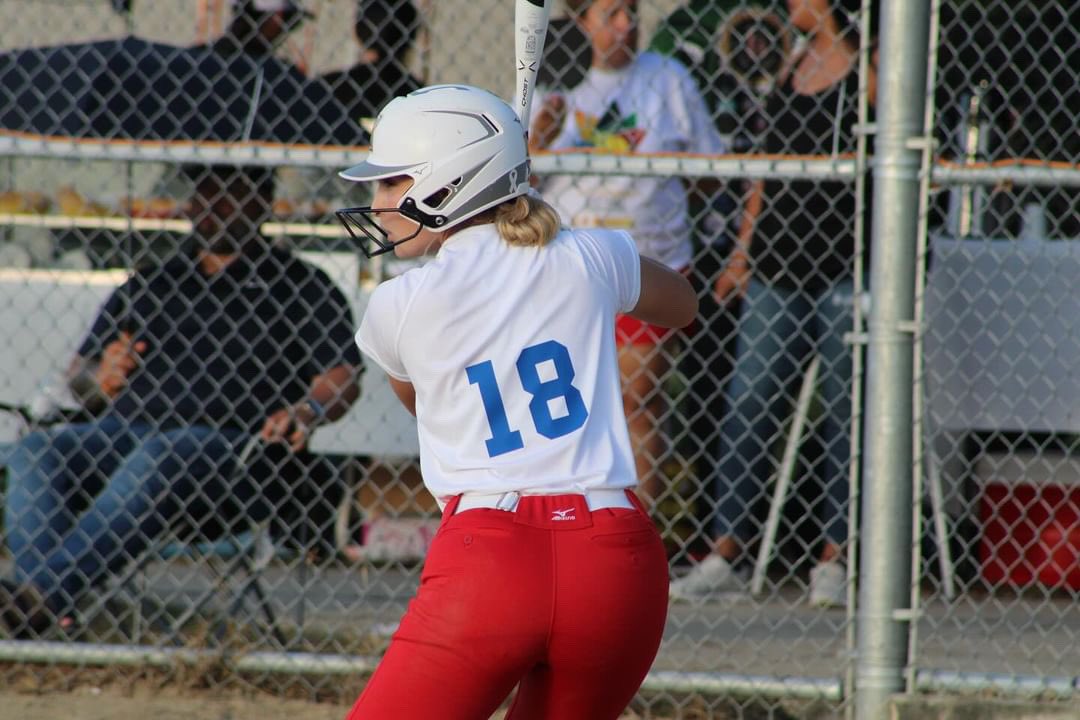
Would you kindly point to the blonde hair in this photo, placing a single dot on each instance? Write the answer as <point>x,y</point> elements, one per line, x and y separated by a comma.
<point>526,221</point>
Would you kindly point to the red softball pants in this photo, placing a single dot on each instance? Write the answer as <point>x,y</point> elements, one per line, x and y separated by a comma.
<point>567,605</point>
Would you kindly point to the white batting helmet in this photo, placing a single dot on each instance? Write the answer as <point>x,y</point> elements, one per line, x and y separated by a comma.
<point>464,148</point>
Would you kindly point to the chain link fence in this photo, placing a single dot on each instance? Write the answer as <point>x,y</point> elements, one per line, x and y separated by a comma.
<point>998,441</point>
<point>738,146</point>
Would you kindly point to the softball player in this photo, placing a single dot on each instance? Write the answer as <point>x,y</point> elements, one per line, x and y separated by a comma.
<point>546,573</point>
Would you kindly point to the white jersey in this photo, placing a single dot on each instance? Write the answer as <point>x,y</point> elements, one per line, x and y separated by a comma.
<point>512,354</point>
<point>651,106</point>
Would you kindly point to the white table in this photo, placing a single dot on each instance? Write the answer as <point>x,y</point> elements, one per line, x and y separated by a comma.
<point>1002,341</point>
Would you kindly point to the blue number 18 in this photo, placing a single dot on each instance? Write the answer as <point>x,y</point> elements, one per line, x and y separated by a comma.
<point>503,438</point>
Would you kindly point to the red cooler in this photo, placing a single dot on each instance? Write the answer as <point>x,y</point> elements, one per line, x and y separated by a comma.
<point>1030,533</point>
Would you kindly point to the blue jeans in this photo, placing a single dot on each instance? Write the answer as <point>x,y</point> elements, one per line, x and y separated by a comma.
<point>83,500</point>
<point>779,330</point>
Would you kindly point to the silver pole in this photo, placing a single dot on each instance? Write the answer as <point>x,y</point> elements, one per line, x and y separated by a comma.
<point>885,564</point>
<point>919,411</point>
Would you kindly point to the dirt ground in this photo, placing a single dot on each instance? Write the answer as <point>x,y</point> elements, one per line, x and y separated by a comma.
<point>60,692</point>
<point>108,704</point>
<point>96,703</point>
<point>93,703</point>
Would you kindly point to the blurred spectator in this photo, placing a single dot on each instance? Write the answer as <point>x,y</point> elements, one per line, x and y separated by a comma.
<point>185,362</point>
<point>734,51</point>
<point>756,47</point>
<point>567,56</point>
<point>690,33</point>
<point>386,31</point>
<point>231,89</point>
<point>793,264</point>
<point>258,27</point>
<point>630,102</point>
<point>243,77</point>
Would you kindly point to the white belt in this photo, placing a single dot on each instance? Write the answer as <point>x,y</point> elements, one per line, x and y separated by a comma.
<point>594,499</point>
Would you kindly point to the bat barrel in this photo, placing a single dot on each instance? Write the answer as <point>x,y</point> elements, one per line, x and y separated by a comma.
<point>530,31</point>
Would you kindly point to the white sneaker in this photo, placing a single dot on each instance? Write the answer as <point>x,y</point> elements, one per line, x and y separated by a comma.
<point>828,585</point>
<point>714,574</point>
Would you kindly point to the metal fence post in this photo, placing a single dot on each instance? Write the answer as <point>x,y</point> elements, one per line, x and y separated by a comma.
<point>886,533</point>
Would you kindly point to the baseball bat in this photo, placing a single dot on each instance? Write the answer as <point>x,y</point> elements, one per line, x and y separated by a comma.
<point>530,31</point>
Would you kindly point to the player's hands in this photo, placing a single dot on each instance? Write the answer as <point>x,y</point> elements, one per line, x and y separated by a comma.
<point>292,425</point>
<point>119,359</point>
<point>549,121</point>
<point>732,281</point>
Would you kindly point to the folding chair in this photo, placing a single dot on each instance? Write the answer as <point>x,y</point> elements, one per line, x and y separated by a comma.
<point>292,522</point>
<point>249,552</point>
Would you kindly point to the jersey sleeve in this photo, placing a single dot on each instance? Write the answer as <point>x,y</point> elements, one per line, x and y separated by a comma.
<point>378,334</point>
<point>612,258</point>
<point>627,267</point>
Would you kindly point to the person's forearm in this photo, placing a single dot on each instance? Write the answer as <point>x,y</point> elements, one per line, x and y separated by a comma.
<point>547,123</point>
<point>666,297</point>
<point>751,211</point>
<point>405,392</point>
<point>335,390</point>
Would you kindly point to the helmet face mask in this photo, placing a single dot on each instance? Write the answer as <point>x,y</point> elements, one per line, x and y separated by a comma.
<point>464,149</point>
<point>364,228</point>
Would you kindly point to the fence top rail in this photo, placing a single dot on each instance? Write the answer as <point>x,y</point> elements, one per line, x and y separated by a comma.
<point>1022,171</point>
<point>178,151</point>
<point>578,161</point>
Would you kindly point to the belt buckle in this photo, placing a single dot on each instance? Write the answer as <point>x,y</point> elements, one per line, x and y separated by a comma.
<point>508,501</point>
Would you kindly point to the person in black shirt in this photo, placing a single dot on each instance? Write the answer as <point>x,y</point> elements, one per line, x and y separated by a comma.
<point>259,26</point>
<point>243,90</point>
<point>793,265</point>
<point>386,31</point>
<point>185,362</point>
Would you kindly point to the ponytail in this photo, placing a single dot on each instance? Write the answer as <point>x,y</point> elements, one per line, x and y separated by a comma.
<point>527,221</point>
